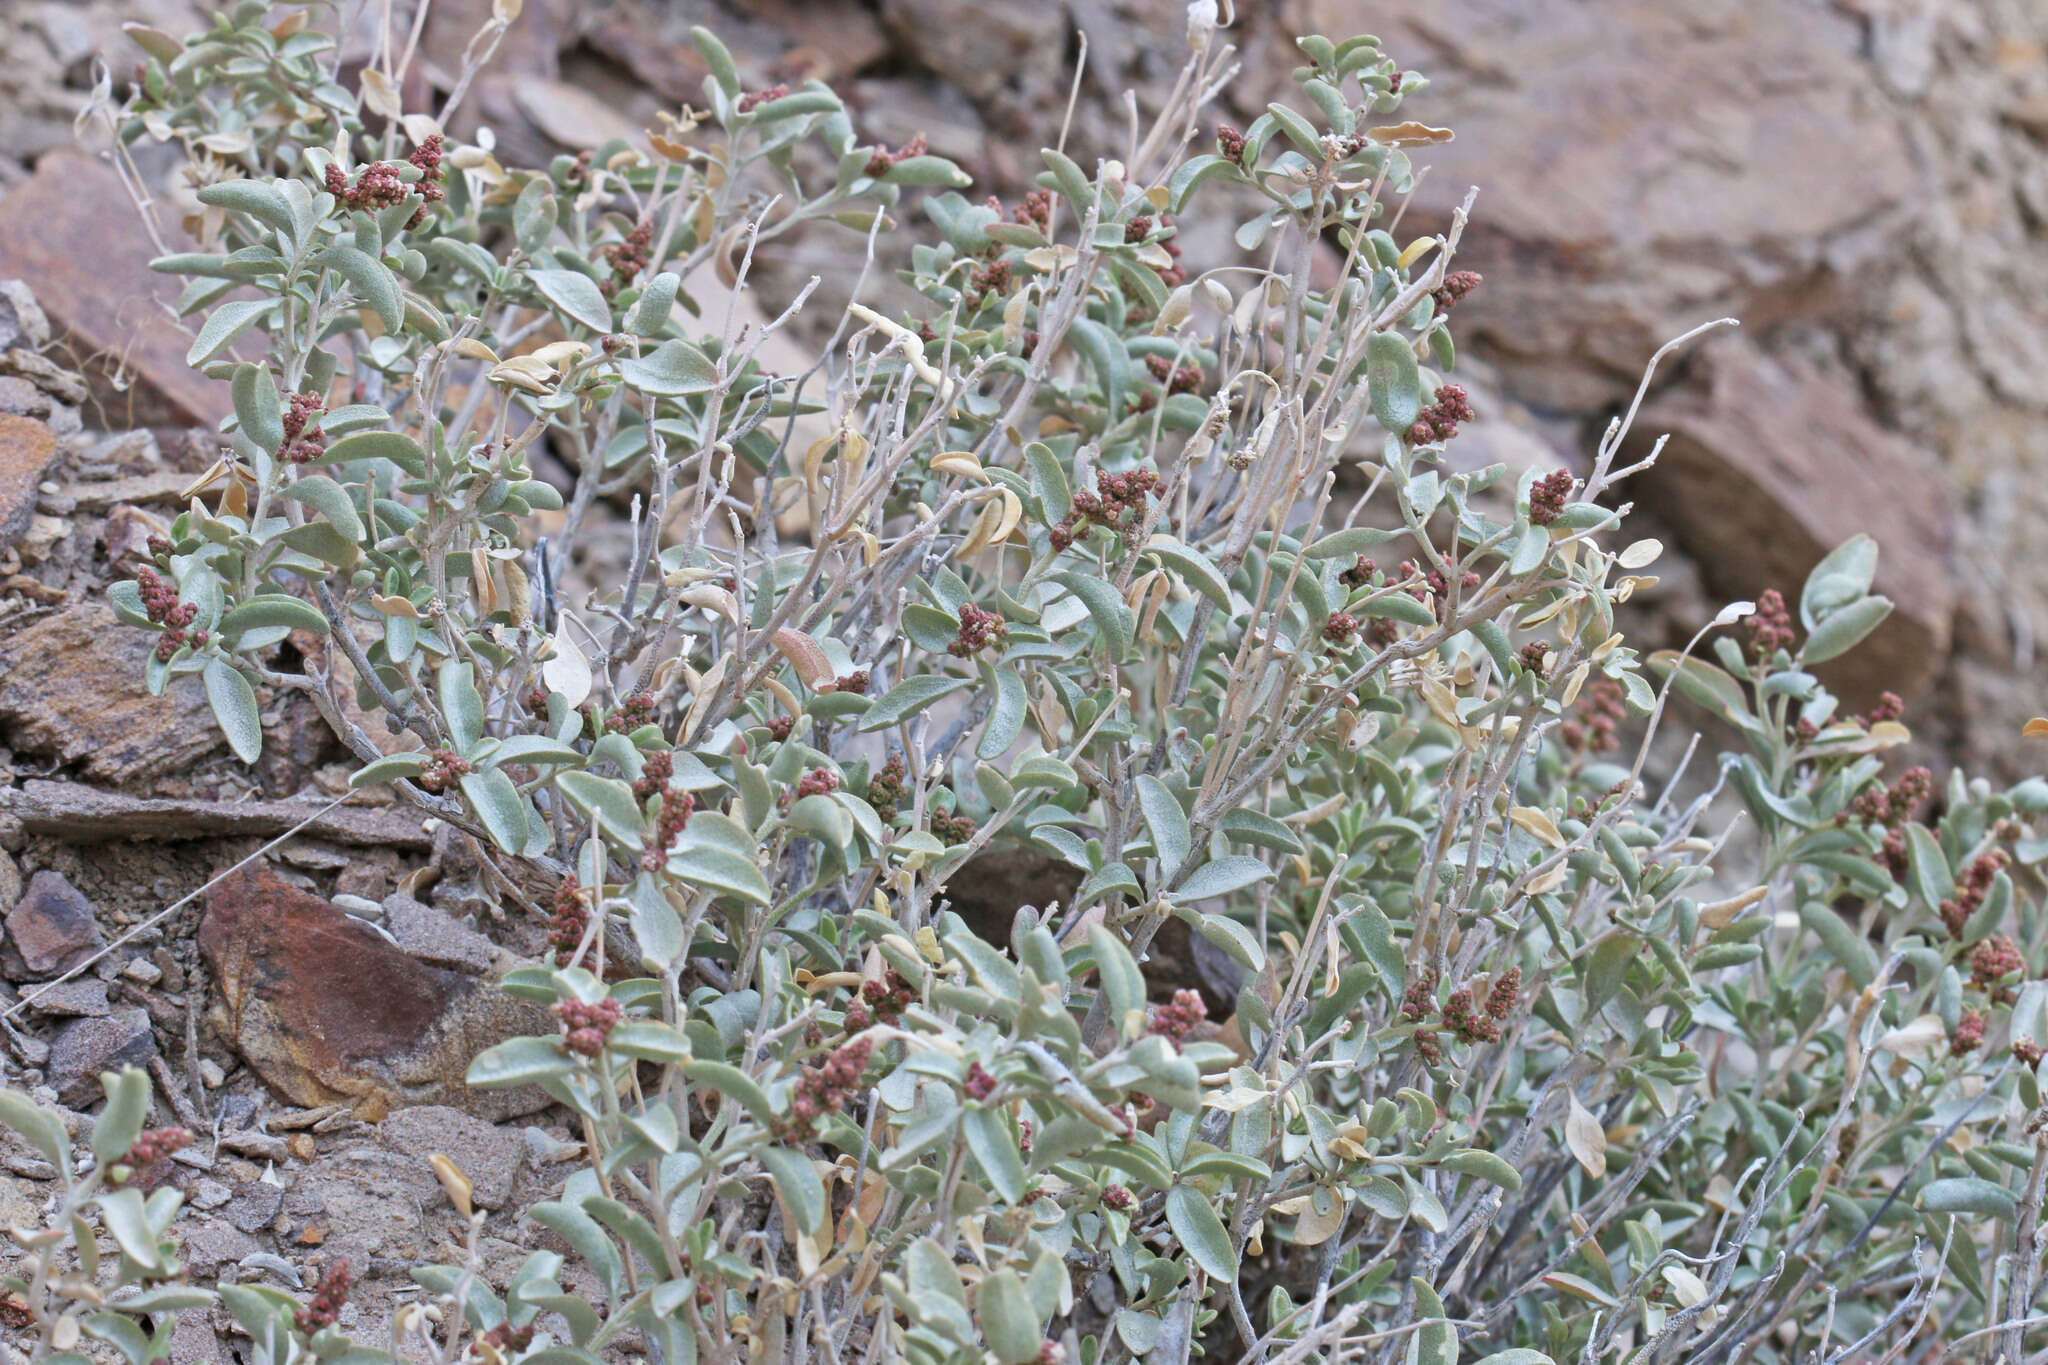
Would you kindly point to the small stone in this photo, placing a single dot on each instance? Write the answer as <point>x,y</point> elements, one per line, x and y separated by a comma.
<point>84,1048</point>
<point>209,1194</point>
<point>436,939</point>
<point>84,996</point>
<point>211,1074</point>
<point>255,1206</point>
<point>302,1146</point>
<point>22,320</point>
<point>548,1149</point>
<point>211,1245</point>
<point>143,970</point>
<point>489,1156</point>
<point>362,907</point>
<point>52,928</point>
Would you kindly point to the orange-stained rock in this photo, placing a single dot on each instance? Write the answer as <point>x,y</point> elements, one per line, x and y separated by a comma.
<point>26,449</point>
<point>327,1011</point>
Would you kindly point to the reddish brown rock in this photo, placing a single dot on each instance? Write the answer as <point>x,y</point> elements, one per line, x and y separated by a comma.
<point>1770,465</point>
<point>52,929</point>
<point>71,687</point>
<point>26,448</point>
<point>328,1011</point>
<point>70,231</point>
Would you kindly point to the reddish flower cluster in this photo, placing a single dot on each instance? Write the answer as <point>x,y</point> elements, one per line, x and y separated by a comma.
<point>780,726</point>
<point>879,164</point>
<point>630,714</point>
<point>1770,628</point>
<point>1890,808</point>
<point>1439,421</point>
<point>1185,379</point>
<point>979,628</point>
<point>1971,889</point>
<point>979,1084</point>
<point>444,768</point>
<point>1173,1020</point>
<point>1381,632</point>
<point>886,790</point>
<point>1890,706</point>
<point>825,1088</point>
<point>1969,1034</point>
<point>148,1149</point>
<point>668,825</point>
<point>754,99</point>
<point>1118,501</point>
<point>1036,209</point>
<point>1139,228</point>
<point>2027,1051</point>
<point>817,782</point>
<point>506,1339</point>
<point>1341,628</point>
<point>585,1027</point>
<point>1359,574</point>
<point>1992,960</point>
<point>328,1298</point>
<point>302,446</point>
<point>376,186</point>
<point>1118,1198</point>
<point>855,682</point>
<point>1436,589</point>
<point>427,158</point>
<point>628,258</point>
<point>1456,286</point>
<point>1175,274</point>
<point>571,919</point>
<point>1482,1025</point>
<point>1420,997</point>
<point>1600,714</point>
<point>883,1000</point>
<point>160,601</point>
<point>1230,143</point>
<point>1536,657</point>
<point>1548,496</point>
<point>991,277</point>
<point>952,830</point>
<point>655,771</point>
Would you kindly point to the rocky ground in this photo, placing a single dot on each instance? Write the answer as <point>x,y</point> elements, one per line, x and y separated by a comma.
<point>1862,182</point>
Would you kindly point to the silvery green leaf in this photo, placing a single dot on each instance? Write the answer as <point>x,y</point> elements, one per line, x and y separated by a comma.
<point>650,312</point>
<point>1395,381</point>
<point>225,323</point>
<point>1006,718</point>
<point>576,294</point>
<point>1194,1221</point>
<point>271,610</point>
<point>608,801</point>
<point>907,698</point>
<point>234,708</point>
<point>461,707</point>
<point>331,501</point>
<point>257,407</point>
<point>1844,629</point>
<point>519,1061</point>
<point>122,1215</point>
<point>395,446</point>
<point>1008,1322</point>
<point>120,1123</point>
<point>672,369</point>
<point>40,1127</point>
<point>499,806</point>
<point>1968,1194</point>
<point>372,281</point>
<point>1171,838</point>
<point>993,1144</point>
<point>258,200</point>
<point>1843,575</point>
<point>1220,877</point>
<point>796,1179</point>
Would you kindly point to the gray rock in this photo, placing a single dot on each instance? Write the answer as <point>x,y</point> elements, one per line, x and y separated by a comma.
<point>254,1207</point>
<point>51,929</point>
<point>489,1156</point>
<point>211,1245</point>
<point>84,1048</point>
<point>85,996</point>
<point>437,939</point>
<point>22,320</point>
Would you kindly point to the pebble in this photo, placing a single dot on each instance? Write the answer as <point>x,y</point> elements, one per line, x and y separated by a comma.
<point>362,907</point>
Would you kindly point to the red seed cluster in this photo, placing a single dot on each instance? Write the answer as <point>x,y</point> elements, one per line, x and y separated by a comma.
<point>1230,143</point>
<point>328,1297</point>
<point>855,682</point>
<point>160,601</point>
<point>376,186</point>
<point>1420,997</point>
<point>628,258</point>
<point>1118,1198</point>
<point>444,768</point>
<point>1359,574</point>
<point>780,726</point>
<point>506,1339</point>
<point>979,1084</point>
<point>1439,421</point>
<point>979,628</point>
<point>1184,379</point>
<point>585,1027</point>
<point>149,1148</point>
<point>1436,589</point>
<point>426,158</point>
<point>1596,728</point>
<point>1971,889</point>
<point>302,446</point>
<point>1176,273</point>
<point>825,1088</point>
<point>952,830</point>
<point>1036,209</point>
<point>879,164</point>
<point>630,714</point>
<point>886,789</point>
<point>2027,1051</point>
<point>1991,961</point>
<point>668,826</point>
<point>817,782</point>
<point>754,99</point>
<point>990,278</point>
<point>1139,228</point>
<point>1969,1034</point>
<point>1173,1020</point>
<point>1118,501</point>
<point>1456,286</point>
<point>1548,496</point>
<point>1770,627</point>
<point>655,771</point>
<point>571,919</point>
<point>1890,706</point>
<point>1341,628</point>
<point>1536,657</point>
<point>883,1000</point>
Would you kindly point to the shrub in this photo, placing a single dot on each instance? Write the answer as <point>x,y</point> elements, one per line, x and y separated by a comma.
<point>1162,574</point>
